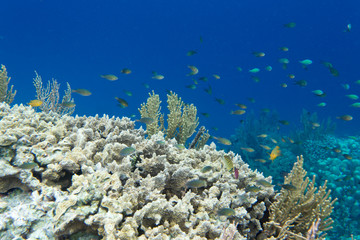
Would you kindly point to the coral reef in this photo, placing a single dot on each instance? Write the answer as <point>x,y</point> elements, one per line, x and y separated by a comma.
<point>50,97</point>
<point>75,182</point>
<point>5,94</point>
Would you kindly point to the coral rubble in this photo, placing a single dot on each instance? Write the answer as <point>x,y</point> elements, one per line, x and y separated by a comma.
<point>75,182</point>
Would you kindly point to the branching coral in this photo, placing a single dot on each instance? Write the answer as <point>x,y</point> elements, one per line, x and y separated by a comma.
<point>50,96</point>
<point>298,205</point>
<point>182,120</point>
<point>5,94</point>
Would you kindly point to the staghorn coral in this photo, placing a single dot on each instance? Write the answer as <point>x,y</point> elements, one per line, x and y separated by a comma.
<point>298,206</point>
<point>50,97</point>
<point>5,94</point>
<point>83,185</point>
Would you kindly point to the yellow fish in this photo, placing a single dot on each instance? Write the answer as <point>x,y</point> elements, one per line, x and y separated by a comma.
<point>110,77</point>
<point>275,153</point>
<point>35,103</point>
<point>248,149</point>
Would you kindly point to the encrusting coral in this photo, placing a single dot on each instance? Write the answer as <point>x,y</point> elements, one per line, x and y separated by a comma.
<point>77,182</point>
<point>298,206</point>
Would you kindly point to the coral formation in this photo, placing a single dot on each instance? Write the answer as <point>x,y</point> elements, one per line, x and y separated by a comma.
<point>299,205</point>
<point>76,182</point>
<point>181,119</point>
<point>50,97</point>
<point>5,94</point>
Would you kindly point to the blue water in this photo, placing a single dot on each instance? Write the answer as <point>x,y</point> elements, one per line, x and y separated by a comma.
<point>77,41</point>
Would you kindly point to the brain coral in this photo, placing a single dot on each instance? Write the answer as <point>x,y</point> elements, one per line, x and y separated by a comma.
<point>80,184</point>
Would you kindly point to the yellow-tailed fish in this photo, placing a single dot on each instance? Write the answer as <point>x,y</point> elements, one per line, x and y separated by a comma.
<point>264,183</point>
<point>158,77</point>
<point>196,183</point>
<point>252,189</point>
<point>68,104</point>
<point>345,117</point>
<point>228,212</point>
<point>194,70</point>
<point>284,85</point>
<point>262,135</point>
<point>248,149</point>
<point>35,103</point>
<point>146,120</point>
<point>260,160</point>
<point>126,71</point>
<point>82,91</point>
<point>223,140</point>
<point>216,76</point>
<point>122,102</point>
<point>238,112</point>
<point>284,49</point>
<point>265,147</point>
<point>242,106</point>
<point>110,77</point>
<point>258,54</point>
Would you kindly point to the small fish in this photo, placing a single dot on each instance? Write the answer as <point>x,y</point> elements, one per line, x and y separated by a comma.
<point>301,83</point>
<point>239,69</point>
<point>322,104</point>
<point>260,160</point>
<point>258,54</point>
<point>284,60</point>
<point>146,85</point>
<point>223,140</point>
<point>306,62</point>
<point>122,102</point>
<point>291,76</point>
<point>194,70</point>
<point>192,86</point>
<point>160,142</point>
<point>289,187</point>
<point>345,117</point>
<point>126,71</point>
<point>253,189</point>
<point>191,52</point>
<point>254,70</point>
<point>29,165</point>
<point>348,28</point>
<point>266,147</point>
<point>227,212</point>
<point>180,146</point>
<point>284,122</point>
<point>219,100</point>
<point>275,153</point>
<point>336,150</point>
<point>208,90</point>
<point>158,77</point>
<point>283,85</point>
<point>196,183</point>
<point>345,86</point>
<point>127,151</point>
<point>68,104</point>
<point>129,93</point>
<point>145,120</point>
<point>206,169</point>
<point>268,68</point>
<point>357,82</point>
<point>352,96</point>
<point>255,78</point>
<point>110,77</point>
<point>205,114</point>
<point>242,106</point>
<point>82,91</point>
<point>252,100</point>
<point>236,173</point>
<point>262,135</point>
<point>273,140</point>
<point>334,72</point>
<point>264,183</point>
<point>284,49</point>
<point>204,79</point>
<point>35,103</point>
<point>290,25</point>
<point>347,156</point>
<point>238,112</point>
<point>248,149</point>
<point>228,163</point>
<point>357,105</point>
<point>216,76</point>
<point>319,93</point>
<point>315,125</point>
